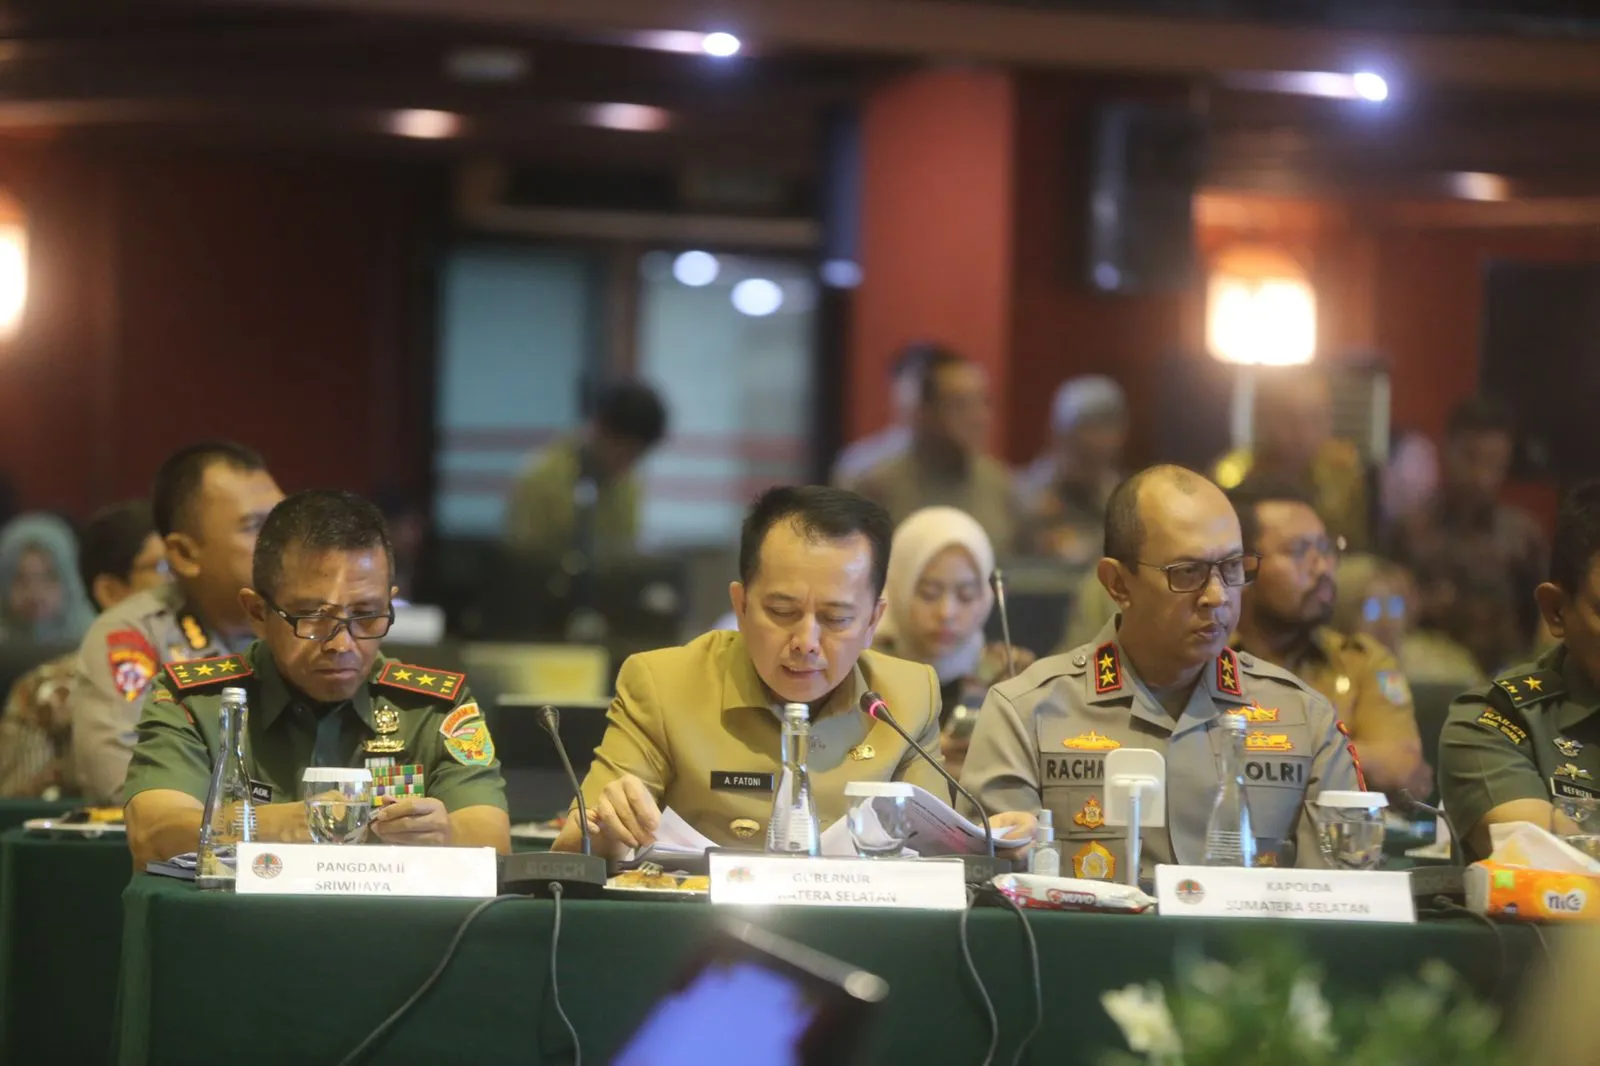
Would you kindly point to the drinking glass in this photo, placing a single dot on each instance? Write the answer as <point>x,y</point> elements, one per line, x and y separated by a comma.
<point>338,803</point>
<point>879,822</point>
<point>1350,828</point>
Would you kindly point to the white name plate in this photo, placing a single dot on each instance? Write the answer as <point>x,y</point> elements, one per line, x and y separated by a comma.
<point>802,881</point>
<point>1312,895</point>
<point>360,870</point>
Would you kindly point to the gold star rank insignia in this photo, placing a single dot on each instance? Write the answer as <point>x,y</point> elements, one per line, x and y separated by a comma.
<point>1533,683</point>
<point>435,683</point>
<point>1539,687</point>
<point>1228,673</point>
<point>1108,669</point>
<point>207,672</point>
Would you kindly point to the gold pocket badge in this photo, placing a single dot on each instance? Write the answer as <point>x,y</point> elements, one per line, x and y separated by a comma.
<point>744,828</point>
<point>862,752</point>
<point>386,720</point>
<point>1094,863</point>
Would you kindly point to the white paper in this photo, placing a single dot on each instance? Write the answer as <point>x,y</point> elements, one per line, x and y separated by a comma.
<point>1526,844</point>
<point>799,880</point>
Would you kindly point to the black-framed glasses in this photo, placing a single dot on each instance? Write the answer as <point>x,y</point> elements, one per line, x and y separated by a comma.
<point>1329,548</point>
<point>1192,575</point>
<point>324,627</point>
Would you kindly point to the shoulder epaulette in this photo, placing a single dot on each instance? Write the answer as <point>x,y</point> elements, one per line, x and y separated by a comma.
<point>1533,687</point>
<point>197,673</point>
<point>444,684</point>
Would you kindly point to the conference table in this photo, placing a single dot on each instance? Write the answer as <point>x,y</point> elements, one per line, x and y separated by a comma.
<point>208,977</point>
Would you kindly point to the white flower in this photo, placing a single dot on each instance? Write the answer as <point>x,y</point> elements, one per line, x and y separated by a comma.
<point>1140,1011</point>
<point>1310,1013</point>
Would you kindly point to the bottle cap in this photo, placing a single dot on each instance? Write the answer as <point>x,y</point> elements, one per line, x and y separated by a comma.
<point>1047,818</point>
<point>797,710</point>
<point>233,694</point>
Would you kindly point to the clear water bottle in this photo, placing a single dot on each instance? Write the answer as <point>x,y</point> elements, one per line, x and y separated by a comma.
<point>1229,839</point>
<point>792,829</point>
<point>230,815</point>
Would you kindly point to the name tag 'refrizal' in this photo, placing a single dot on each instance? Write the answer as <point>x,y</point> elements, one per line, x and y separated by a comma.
<point>736,781</point>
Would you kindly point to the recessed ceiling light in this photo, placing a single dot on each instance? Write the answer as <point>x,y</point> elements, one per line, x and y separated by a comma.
<point>696,268</point>
<point>757,297</point>
<point>640,118</point>
<point>428,125</point>
<point>719,44</point>
<point>1476,185</point>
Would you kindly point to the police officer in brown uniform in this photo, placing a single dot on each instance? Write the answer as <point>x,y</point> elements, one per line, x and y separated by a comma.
<point>1520,748</point>
<point>209,501</point>
<point>697,728</point>
<point>1283,619</point>
<point>1160,676</point>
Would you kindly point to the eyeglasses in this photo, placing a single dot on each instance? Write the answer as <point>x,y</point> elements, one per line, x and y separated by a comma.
<point>1192,575</point>
<point>325,627</point>
<point>1329,549</point>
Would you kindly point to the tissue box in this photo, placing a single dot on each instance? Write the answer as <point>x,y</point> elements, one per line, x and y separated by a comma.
<point>1528,894</point>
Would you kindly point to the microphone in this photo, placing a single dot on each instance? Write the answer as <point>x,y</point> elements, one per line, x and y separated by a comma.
<point>981,868</point>
<point>998,579</point>
<point>550,718</point>
<point>1429,882</point>
<point>532,873</point>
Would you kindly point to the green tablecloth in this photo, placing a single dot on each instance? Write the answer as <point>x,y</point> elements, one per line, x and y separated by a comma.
<point>305,980</point>
<point>60,933</point>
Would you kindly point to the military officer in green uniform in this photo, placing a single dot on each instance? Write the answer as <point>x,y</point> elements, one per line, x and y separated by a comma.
<point>319,695</point>
<point>1526,748</point>
<point>1160,675</point>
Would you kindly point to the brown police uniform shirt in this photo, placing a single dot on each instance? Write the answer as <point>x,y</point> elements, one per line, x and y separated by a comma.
<point>1042,739</point>
<point>1360,677</point>
<point>36,733</point>
<point>119,657</point>
<point>698,727</point>
<point>1532,734</point>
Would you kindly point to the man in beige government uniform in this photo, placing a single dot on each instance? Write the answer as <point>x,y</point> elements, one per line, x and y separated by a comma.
<point>1284,618</point>
<point>208,502</point>
<point>1159,676</point>
<point>697,728</point>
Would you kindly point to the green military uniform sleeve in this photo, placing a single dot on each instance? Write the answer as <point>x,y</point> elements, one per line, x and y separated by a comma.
<point>1486,759</point>
<point>460,764</point>
<point>172,750</point>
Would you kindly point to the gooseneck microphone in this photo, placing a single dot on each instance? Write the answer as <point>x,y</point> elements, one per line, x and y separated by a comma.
<point>872,706</point>
<point>550,718</point>
<point>532,873</point>
<point>1431,882</point>
<point>998,579</point>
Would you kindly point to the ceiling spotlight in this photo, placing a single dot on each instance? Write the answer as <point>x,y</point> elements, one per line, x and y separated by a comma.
<point>719,44</point>
<point>696,269</point>
<point>1370,86</point>
<point>428,125</point>
<point>841,273</point>
<point>639,118</point>
<point>757,297</point>
<point>1475,185</point>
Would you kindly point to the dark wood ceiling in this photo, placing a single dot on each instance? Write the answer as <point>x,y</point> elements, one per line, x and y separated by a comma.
<point>333,73</point>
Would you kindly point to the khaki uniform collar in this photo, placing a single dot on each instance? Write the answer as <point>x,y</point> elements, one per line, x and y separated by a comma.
<point>275,695</point>
<point>1111,678</point>
<point>742,687</point>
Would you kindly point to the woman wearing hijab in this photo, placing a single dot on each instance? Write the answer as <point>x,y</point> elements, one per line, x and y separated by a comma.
<point>41,595</point>
<point>939,598</point>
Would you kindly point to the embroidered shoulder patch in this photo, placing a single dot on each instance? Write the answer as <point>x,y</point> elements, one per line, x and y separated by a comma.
<point>1107,669</point>
<point>1392,683</point>
<point>198,672</point>
<point>1494,720</point>
<point>445,684</point>
<point>466,736</point>
<point>133,662</point>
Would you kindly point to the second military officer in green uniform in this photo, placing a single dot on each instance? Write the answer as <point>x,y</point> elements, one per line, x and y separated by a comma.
<point>319,695</point>
<point>1160,675</point>
<point>1526,748</point>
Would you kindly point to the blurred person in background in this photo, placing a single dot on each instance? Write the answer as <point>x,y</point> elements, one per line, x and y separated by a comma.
<point>44,599</point>
<point>1467,530</point>
<point>1376,597</point>
<point>1408,486</point>
<point>905,393</point>
<point>408,534</point>
<point>938,598</point>
<point>1516,749</point>
<point>1283,619</point>
<point>208,501</point>
<point>581,494</point>
<point>1294,444</point>
<point>1064,491</point>
<point>945,464</point>
<point>119,554</point>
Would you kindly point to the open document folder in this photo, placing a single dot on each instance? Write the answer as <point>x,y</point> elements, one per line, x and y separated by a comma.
<point>936,829</point>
